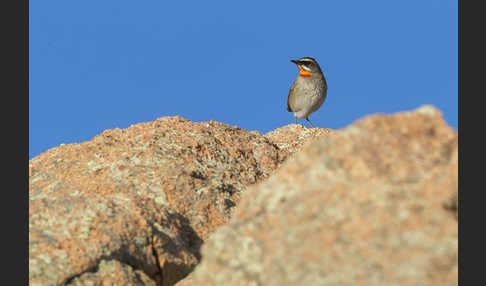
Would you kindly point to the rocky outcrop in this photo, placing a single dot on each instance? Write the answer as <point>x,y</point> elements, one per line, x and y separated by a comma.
<point>140,200</point>
<point>372,204</point>
<point>291,138</point>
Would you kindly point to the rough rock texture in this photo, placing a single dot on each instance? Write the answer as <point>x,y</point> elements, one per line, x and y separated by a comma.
<point>372,204</point>
<point>291,138</point>
<point>113,273</point>
<point>136,204</point>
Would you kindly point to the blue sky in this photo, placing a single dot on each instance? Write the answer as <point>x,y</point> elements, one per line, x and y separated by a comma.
<point>97,65</point>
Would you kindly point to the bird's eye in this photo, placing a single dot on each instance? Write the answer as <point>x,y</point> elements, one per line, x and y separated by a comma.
<point>306,63</point>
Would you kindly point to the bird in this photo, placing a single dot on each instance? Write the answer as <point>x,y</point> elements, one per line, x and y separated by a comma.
<point>309,90</point>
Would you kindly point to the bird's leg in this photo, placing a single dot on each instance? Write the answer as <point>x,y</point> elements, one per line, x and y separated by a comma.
<point>295,119</point>
<point>307,118</point>
<point>302,124</point>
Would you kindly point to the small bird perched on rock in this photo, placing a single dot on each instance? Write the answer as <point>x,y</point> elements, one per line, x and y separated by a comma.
<point>309,90</point>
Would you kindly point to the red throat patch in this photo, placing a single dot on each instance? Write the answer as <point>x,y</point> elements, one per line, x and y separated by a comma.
<point>303,72</point>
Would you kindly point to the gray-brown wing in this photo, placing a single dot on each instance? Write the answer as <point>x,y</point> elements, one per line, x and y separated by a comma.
<point>289,109</point>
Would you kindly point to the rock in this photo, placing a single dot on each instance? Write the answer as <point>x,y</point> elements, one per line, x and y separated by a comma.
<point>291,138</point>
<point>137,203</point>
<point>372,204</point>
<point>113,273</point>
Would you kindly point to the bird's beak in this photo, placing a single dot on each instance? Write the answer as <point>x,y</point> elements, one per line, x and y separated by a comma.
<point>295,61</point>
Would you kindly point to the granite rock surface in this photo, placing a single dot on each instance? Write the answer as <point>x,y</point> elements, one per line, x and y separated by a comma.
<point>141,199</point>
<point>372,204</point>
<point>174,202</point>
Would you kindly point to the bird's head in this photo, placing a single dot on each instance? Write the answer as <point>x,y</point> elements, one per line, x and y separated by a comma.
<point>307,66</point>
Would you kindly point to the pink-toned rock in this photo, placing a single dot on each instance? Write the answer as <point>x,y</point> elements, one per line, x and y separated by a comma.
<point>291,138</point>
<point>113,272</point>
<point>139,200</point>
<point>372,204</point>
